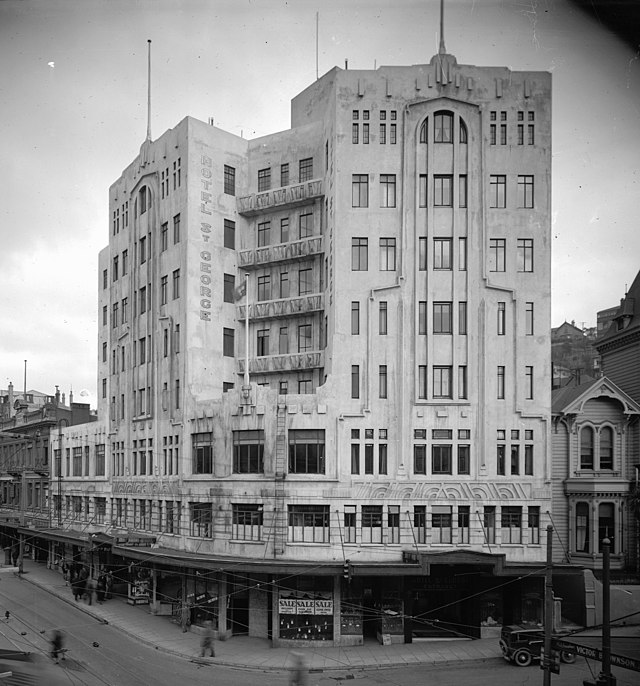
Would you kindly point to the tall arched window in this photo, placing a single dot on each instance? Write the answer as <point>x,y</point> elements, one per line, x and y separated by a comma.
<point>606,448</point>
<point>463,132</point>
<point>423,131</point>
<point>606,525</point>
<point>443,127</point>
<point>582,528</point>
<point>586,448</point>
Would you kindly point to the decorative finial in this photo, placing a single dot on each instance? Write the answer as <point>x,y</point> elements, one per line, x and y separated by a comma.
<point>442,50</point>
<point>149,90</point>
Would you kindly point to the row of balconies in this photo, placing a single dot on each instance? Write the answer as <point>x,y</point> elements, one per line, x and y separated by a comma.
<point>282,252</point>
<point>297,194</point>
<point>285,307</point>
<point>277,364</point>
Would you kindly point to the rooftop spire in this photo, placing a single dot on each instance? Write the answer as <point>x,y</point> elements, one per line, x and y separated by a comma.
<point>149,90</point>
<point>442,50</point>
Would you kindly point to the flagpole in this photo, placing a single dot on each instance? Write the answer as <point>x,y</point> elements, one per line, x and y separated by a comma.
<point>246,330</point>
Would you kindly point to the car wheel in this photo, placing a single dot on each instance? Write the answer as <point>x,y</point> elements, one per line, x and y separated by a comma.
<point>566,656</point>
<point>522,658</point>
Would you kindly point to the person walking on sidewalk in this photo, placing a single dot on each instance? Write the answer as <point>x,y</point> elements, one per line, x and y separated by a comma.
<point>207,639</point>
<point>299,672</point>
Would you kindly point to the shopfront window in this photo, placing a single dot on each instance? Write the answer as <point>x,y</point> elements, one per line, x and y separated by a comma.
<point>305,609</point>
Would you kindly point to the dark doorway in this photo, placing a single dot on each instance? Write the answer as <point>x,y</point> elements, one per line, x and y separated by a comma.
<point>239,610</point>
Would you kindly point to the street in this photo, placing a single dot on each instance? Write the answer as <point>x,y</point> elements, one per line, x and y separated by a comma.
<point>99,655</point>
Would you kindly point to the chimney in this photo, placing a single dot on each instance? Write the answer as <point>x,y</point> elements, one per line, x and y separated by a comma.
<point>57,395</point>
<point>70,396</point>
<point>63,398</point>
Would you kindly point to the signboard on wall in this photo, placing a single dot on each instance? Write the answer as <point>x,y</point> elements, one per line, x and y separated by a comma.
<point>293,603</point>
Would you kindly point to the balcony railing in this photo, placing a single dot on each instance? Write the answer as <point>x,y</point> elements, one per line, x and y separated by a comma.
<point>276,364</point>
<point>282,252</point>
<point>286,307</point>
<point>278,197</point>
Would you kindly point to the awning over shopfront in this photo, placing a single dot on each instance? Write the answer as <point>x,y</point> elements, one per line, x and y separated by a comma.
<point>68,536</point>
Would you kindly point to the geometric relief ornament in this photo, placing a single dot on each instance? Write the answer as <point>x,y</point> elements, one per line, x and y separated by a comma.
<point>130,487</point>
<point>440,490</point>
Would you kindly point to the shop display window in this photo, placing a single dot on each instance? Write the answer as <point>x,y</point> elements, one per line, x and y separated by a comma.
<point>305,610</point>
<point>351,615</point>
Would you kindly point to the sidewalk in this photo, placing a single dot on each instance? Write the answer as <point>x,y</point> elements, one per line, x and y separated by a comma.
<point>257,653</point>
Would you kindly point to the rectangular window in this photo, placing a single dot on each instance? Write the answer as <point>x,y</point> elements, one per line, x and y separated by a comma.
<point>464,516</point>
<point>305,341</point>
<point>525,254</point>
<point>489,523</point>
<point>520,134</point>
<point>202,452</point>
<point>264,180</point>
<point>528,373</point>
<point>530,133</point>
<point>443,190</point>
<point>422,318</point>
<point>284,284</point>
<point>528,460</point>
<point>247,522</point>
<point>305,281</point>
<point>125,262</point>
<point>497,254</point>
<point>164,290</point>
<point>497,191</point>
<point>501,466</point>
<point>442,318</point>
<point>359,254</point>
<point>142,250</point>
<point>114,269</point>
<point>142,300</point>
<point>393,524</point>
<point>176,284</point>
<point>441,459</point>
<point>382,458</point>
<point>533,521</point>
<point>441,524</point>
<point>387,190</point>
<point>382,318</point>
<point>229,180</point>
<point>442,382</point>
<point>422,381</point>
<point>383,134</point>
<point>262,342</point>
<point>306,451</point>
<point>355,133</point>
<point>228,346</point>
<point>264,288</point>
<point>443,128</point>
<point>462,190</point>
<point>365,134</point>
<point>422,254</point>
<point>355,381</point>
<point>176,229</point>
<point>248,451</point>
<point>464,459</point>
<point>201,524</point>
<point>500,383</point>
<point>359,190</point>
<point>372,523</point>
<point>525,191</point>
<point>283,340</point>
<point>355,458</point>
<point>462,318</point>
<point>387,254</point>
<point>284,174</point>
<point>511,524</point>
<point>492,134</point>
<point>264,234</point>
<point>442,253</point>
<point>355,318</point>
<point>306,169</point>
<point>393,134</point>
<point>420,523</point>
<point>503,134</point>
<point>284,230</point>
<point>462,382</point>
<point>229,234</point>
<point>501,318</point>
<point>306,225</point>
<point>515,459</point>
<point>382,378</point>
<point>229,287</point>
<point>528,322</point>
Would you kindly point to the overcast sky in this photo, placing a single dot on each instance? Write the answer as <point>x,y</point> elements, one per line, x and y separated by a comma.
<point>73,98</point>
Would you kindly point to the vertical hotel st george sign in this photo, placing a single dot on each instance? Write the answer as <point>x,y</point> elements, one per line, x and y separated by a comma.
<point>205,231</point>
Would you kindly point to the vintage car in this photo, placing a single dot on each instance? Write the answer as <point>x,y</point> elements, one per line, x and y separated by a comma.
<point>522,646</point>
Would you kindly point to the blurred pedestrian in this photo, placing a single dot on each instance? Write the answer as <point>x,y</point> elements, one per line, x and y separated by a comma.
<point>299,671</point>
<point>57,645</point>
<point>90,589</point>
<point>207,639</point>
<point>101,588</point>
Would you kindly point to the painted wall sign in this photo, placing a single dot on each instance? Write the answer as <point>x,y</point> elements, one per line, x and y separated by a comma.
<point>205,233</point>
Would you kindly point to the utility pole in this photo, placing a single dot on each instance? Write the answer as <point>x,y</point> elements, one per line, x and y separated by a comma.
<point>548,608</point>
<point>606,676</point>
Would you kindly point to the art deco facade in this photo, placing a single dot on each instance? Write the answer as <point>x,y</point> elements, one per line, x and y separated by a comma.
<point>324,361</point>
